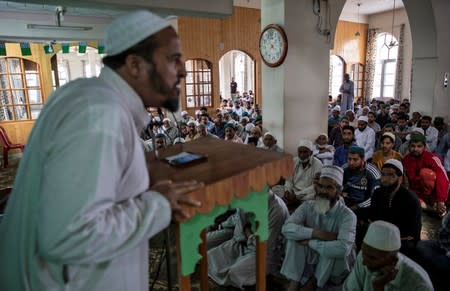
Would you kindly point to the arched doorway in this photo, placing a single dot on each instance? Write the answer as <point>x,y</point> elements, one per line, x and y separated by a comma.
<point>240,66</point>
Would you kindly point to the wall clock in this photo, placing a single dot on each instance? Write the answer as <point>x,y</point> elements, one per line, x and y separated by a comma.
<point>273,45</point>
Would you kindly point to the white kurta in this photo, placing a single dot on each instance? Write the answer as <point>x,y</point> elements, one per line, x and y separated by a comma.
<point>326,260</point>
<point>366,140</point>
<point>301,181</point>
<point>410,276</point>
<point>80,204</point>
<point>234,263</point>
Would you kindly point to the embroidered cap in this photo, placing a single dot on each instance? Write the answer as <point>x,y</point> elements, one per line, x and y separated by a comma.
<point>383,236</point>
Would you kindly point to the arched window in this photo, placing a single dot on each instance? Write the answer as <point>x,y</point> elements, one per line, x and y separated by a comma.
<point>386,66</point>
<point>337,70</point>
<point>198,83</point>
<point>20,89</point>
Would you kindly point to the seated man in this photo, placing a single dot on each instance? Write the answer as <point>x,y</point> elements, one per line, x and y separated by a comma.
<point>360,180</point>
<point>299,187</point>
<point>192,131</point>
<point>320,237</point>
<point>230,133</point>
<point>426,176</point>
<point>395,204</point>
<point>233,262</point>
<point>434,255</point>
<point>336,133</point>
<point>341,153</point>
<point>270,143</point>
<point>387,151</point>
<point>323,151</point>
<point>169,130</point>
<point>380,265</point>
<point>365,137</point>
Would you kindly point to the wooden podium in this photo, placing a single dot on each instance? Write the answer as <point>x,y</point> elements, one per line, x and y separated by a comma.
<point>235,175</point>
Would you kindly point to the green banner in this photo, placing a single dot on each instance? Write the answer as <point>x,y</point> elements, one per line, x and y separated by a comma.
<point>2,48</point>
<point>65,48</point>
<point>82,47</point>
<point>48,49</point>
<point>101,48</point>
<point>25,49</point>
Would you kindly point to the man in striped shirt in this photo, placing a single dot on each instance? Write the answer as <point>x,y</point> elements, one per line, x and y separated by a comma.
<point>360,180</point>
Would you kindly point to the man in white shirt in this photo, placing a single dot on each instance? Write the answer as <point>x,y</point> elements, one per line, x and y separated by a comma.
<point>380,266</point>
<point>365,137</point>
<point>320,237</point>
<point>299,187</point>
<point>83,219</point>
<point>430,132</point>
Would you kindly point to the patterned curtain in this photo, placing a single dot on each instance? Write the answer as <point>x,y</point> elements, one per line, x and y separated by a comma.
<point>371,56</point>
<point>399,72</point>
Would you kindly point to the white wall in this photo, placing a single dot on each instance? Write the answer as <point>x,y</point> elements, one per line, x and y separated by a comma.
<point>383,21</point>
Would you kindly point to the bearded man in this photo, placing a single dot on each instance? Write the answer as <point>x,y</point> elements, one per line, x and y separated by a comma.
<point>320,237</point>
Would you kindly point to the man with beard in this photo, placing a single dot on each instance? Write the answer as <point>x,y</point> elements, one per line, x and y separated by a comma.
<point>336,133</point>
<point>360,180</point>
<point>170,131</point>
<point>348,92</point>
<point>430,132</point>
<point>320,237</point>
<point>192,131</point>
<point>219,127</point>
<point>341,153</point>
<point>393,203</point>
<point>270,143</point>
<point>426,176</point>
<point>365,137</point>
<point>380,265</point>
<point>299,187</point>
<point>83,219</point>
<point>402,129</point>
<point>386,152</point>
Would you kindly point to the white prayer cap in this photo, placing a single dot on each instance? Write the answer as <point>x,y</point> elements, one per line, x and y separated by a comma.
<point>184,113</point>
<point>130,29</point>
<point>166,119</point>
<point>414,129</point>
<point>306,143</point>
<point>366,107</point>
<point>363,118</point>
<point>192,122</point>
<point>249,126</point>
<point>396,163</point>
<point>391,135</point>
<point>156,119</point>
<point>336,108</point>
<point>383,236</point>
<point>198,112</point>
<point>333,172</point>
<point>245,118</point>
<point>324,134</point>
<point>269,133</point>
<point>178,140</point>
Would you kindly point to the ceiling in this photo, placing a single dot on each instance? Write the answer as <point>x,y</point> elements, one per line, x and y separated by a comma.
<point>370,6</point>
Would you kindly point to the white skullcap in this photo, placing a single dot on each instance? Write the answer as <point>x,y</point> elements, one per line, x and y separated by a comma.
<point>336,108</point>
<point>183,113</point>
<point>414,129</point>
<point>383,236</point>
<point>390,134</point>
<point>130,29</point>
<point>245,118</point>
<point>249,126</point>
<point>306,143</point>
<point>269,133</point>
<point>333,172</point>
<point>324,134</point>
<point>198,112</point>
<point>366,107</point>
<point>157,119</point>
<point>192,122</point>
<point>166,119</point>
<point>363,118</point>
<point>395,163</point>
<point>178,140</point>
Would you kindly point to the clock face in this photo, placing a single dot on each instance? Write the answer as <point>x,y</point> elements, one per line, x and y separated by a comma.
<point>273,45</point>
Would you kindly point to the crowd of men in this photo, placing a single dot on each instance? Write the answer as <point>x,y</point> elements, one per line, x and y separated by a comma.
<point>360,188</point>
